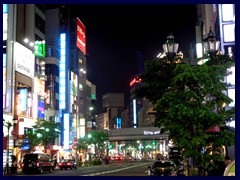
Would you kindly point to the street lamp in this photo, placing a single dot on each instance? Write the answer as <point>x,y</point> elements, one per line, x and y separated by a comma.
<point>170,48</point>
<point>8,125</point>
<point>211,45</point>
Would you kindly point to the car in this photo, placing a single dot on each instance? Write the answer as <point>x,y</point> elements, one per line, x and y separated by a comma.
<point>67,163</point>
<point>118,158</point>
<point>162,168</point>
<point>34,162</point>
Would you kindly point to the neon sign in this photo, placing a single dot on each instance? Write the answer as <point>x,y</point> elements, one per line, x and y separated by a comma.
<point>135,80</point>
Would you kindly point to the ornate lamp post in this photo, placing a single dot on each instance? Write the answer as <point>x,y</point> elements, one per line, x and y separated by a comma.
<point>8,125</point>
<point>211,45</point>
<point>170,48</point>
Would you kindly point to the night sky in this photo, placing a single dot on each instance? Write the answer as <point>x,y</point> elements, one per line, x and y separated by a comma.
<point>121,37</point>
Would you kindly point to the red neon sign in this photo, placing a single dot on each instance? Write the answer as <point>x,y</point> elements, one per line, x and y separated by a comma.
<point>135,80</point>
<point>81,36</point>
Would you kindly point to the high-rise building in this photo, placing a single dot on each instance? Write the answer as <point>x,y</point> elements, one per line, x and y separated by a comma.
<point>114,104</point>
<point>220,19</point>
<point>24,67</point>
<point>141,110</point>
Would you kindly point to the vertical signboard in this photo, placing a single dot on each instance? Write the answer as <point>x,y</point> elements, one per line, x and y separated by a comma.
<point>24,59</point>
<point>40,48</point>
<point>4,79</point>
<point>62,74</point>
<point>5,21</point>
<point>81,36</point>
<point>66,131</point>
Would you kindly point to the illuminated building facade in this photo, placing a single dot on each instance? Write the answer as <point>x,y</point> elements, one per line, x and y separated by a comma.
<point>220,18</point>
<point>23,71</point>
<point>141,110</point>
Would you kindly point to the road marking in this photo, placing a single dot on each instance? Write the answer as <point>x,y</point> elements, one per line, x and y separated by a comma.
<point>112,171</point>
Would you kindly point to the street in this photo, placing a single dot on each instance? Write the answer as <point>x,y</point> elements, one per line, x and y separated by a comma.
<point>118,168</point>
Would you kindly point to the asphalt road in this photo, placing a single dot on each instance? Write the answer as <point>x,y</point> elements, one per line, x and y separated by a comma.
<point>120,168</point>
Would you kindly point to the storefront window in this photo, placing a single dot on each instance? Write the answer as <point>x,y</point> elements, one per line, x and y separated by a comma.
<point>23,100</point>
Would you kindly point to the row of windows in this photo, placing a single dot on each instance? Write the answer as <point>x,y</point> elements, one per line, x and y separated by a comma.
<point>39,23</point>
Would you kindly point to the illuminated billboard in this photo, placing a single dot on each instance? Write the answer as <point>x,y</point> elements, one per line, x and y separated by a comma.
<point>135,80</point>
<point>66,130</point>
<point>4,79</point>
<point>62,74</point>
<point>5,21</point>
<point>39,87</point>
<point>74,82</point>
<point>40,48</point>
<point>81,36</point>
<point>24,59</point>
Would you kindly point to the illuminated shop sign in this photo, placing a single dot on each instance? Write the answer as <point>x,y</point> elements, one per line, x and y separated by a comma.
<point>24,60</point>
<point>40,109</point>
<point>229,32</point>
<point>62,73</point>
<point>5,8</point>
<point>23,100</point>
<point>227,12</point>
<point>66,131</point>
<point>119,123</point>
<point>227,26</point>
<point>39,87</point>
<point>5,19</point>
<point>135,80</point>
<point>81,36</point>
<point>135,113</point>
<point>74,83</point>
<point>4,79</point>
<point>93,96</point>
<point>40,48</point>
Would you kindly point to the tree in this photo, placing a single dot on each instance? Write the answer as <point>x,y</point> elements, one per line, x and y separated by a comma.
<point>97,138</point>
<point>32,140</point>
<point>44,132</point>
<point>185,101</point>
<point>82,144</point>
<point>93,137</point>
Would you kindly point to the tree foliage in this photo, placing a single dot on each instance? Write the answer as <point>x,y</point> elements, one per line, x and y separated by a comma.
<point>188,101</point>
<point>93,137</point>
<point>44,132</point>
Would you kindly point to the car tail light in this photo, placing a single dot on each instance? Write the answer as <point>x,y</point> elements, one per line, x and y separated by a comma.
<point>68,163</point>
<point>22,164</point>
<point>37,164</point>
<point>60,164</point>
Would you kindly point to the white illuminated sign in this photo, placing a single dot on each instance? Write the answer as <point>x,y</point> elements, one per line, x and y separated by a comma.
<point>229,32</point>
<point>24,59</point>
<point>227,12</point>
<point>134,112</point>
<point>62,73</point>
<point>66,131</point>
<point>231,77</point>
<point>199,50</point>
<point>5,23</point>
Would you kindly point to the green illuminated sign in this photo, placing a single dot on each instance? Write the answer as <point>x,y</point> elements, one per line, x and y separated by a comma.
<point>93,96</point>
<point>40,48</point>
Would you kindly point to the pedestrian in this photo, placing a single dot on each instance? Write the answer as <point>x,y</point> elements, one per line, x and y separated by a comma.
<point>227,160</point>
<point>55,161</point>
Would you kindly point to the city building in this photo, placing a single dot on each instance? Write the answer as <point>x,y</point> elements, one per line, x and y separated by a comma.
<point>220,19</point>
<point>24,72</point>
<point>141,110</point>
<point>110,118</point>
<point>44,77</point>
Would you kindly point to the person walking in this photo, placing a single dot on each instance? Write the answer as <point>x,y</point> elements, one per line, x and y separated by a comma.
<point>55,161</point>
<point>227,160</point>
